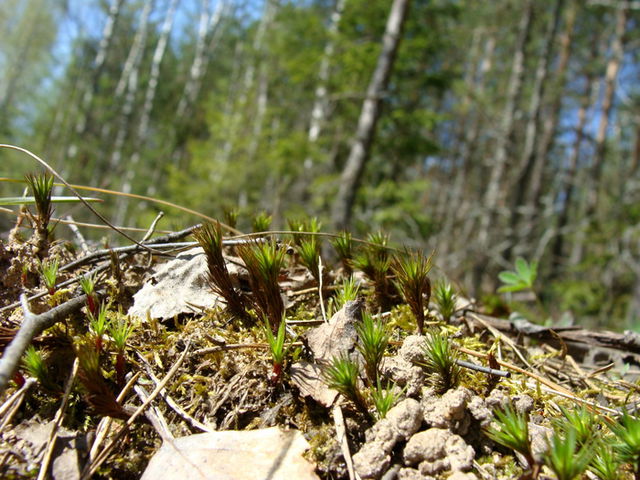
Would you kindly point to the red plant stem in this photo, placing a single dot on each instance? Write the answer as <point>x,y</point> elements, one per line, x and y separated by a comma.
<point>91,304</point>
<point>18,377</point>
<point>120,366</point>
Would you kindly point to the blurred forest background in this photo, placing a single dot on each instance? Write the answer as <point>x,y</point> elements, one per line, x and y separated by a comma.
<point>486,130</point>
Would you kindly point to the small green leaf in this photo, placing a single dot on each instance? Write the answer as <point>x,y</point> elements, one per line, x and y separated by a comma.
<point>512,288</point>
<point>509,277</point>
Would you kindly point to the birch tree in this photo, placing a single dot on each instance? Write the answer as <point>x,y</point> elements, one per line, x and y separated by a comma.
<point>360,149</point>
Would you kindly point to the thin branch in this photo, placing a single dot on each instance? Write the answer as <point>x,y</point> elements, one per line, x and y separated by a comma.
<point>32,325</point>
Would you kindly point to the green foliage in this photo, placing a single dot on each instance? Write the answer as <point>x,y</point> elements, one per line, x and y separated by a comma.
<point>375,262</point>
<point>627,431</point>
<point>444,296</point>
<point>99,324</point>
<point>605,463</point>
<point>581,421</point>
<point>230,216</point>
<point>565,456</point>
<point>373,338</point>
<point>120,330</point>
<point>511,430</point>
<point>276,347</point>
<point>34,363</point>
<point>440,359</point>
<point>412,280</point>
<point>522,278</point>
<point>347,292</point>
<point>262,222</point>
<point>343,245</point>
<point>264,260</point>
<point>49,272</point>
<point>308,250</point>
<point>342,375</point>
<point>41,187</point>
<point>383,399</point>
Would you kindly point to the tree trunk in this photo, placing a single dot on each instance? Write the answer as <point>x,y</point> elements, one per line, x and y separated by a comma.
<point>523,213</point>
<point>494,196</point>
<point>142,132</point>
<point>360,150</point>
<point>613,67</point>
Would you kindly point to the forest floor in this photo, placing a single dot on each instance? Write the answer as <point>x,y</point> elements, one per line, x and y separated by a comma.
<point>81,417</point>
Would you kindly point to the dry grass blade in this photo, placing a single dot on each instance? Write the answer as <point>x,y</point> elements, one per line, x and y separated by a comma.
<point>91,468</point>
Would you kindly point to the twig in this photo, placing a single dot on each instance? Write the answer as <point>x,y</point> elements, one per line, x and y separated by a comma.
<point>341,435</point>
<point>44,466</point>
<point>155,417</point>
<point>78,234</point>
<point>324,312</point>
<point>152,228</point>
<point>483,369</point>
<point>90,469</point>
<point>10,407</point>
<point>103,427</point>
<point>170,401</point>
<point>32,325</point>
<point>239,346</point>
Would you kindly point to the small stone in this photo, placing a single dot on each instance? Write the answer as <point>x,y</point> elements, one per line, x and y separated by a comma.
<point>437,450</point>
<point>412,474</point>
<point>385,433</point>
<point>403,373</point>
<point>412,349</point>
<point>371,461</point>
<point>448,411</point>
<point>522,403</point>
<point>463,476</point>
<point>479,411</point>
<point>406,417</point>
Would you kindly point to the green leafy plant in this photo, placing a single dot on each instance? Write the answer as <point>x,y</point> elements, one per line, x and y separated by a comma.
<point>343,245</point>
<point>302,225</point>
<point>373,338</point>
<point>99,325</point>
<point>627,431</point>
<point>375,262</point>
<point>383,399</point>
<point>581,421</point>
<point>41,187</point>
<point>209,236</point>
<point>120,330</point>
<point>440,359</point>
<point>35,365</point>
<point>347,292</point>
<point>230,215</point>
<point>276,347</point>
<point>342,375</point>
<point>604,463</point>
<point>309,252</point>
<point>522,278</point>
<point>262,222</point>
<point>445,299</point>
<point>88,285</point>
<point>412,280</point>
<point>263,261</point>
<point>511,430</point>
<point>565,457</point>
<point>49,272</point>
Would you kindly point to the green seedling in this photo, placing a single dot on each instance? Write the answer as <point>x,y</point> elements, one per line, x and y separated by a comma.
<point>627,431</point>
<point>347,292</point>
<point>565,457</point>
<point>445,299</point>
<point>440,359</point>
<point>383,399</point>
<point>522,278</point>
<point>375,263</point>
<point>302,225</point>
<point>264,261</point>
<point>35,365</point>
<point>120,330</point>
<point>262,222</point>
<point>209,236</point>
<point>605,463</point>
<point>342,375</point>
<point>98,325</point>
<point>88,285</point>
<point>41,187</point>
<point>230,216</point>
<point>373,338</point>
<point>343,245</point>
<point>49,272</point>
<point>98,393</point>
<point>511,430</point>
<point>581,421</point>
<point>276,347</point>
<point>412,280</point>
<point>308,250</point>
